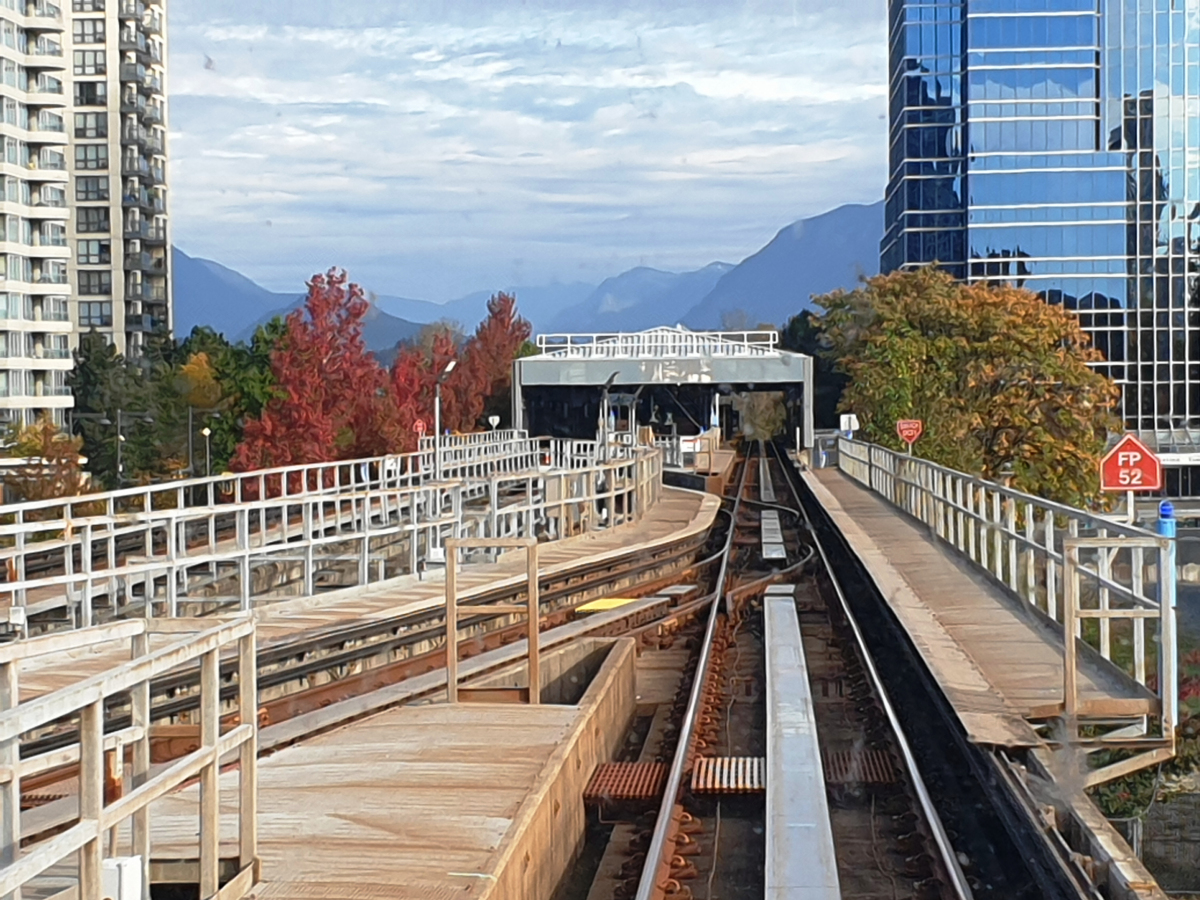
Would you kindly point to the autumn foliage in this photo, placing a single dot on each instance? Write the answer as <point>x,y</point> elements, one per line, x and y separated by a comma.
<point>1000,377</point>
<point>334,401</point>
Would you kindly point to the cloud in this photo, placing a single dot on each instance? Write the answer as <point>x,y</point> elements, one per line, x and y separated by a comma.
<point>433,149</point>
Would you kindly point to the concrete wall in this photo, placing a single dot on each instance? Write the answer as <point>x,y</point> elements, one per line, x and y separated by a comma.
<point>548,830</point>
<point>1171,842</point>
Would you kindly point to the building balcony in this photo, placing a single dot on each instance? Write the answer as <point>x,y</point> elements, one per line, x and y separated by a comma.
<point>138,262</point>
<point>131,9</point>
<point>133,41</point>
<point>135,165</point>
<point>136,231</point>
<point>152,113</point>
<point>135,135</point>
<point>44,47</point>
<point>133,103</point>
<point>49,12</point>
<point>154,293</point>
<point>155,234</point>
<point>144,323</point>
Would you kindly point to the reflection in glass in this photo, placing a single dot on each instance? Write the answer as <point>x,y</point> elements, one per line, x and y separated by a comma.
<point>1055,144</point>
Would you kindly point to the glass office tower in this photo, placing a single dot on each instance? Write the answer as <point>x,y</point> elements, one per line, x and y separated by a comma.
<point>1055,145</point>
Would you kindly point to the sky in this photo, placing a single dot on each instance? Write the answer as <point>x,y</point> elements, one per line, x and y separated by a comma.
<point>438,148</point>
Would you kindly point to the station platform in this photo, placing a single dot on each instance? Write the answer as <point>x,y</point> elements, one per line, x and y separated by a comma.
<point>678,516</point>
<point>472,800</point>
<point>997,662</point>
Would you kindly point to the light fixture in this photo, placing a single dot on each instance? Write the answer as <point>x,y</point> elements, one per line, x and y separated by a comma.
<point>206,431</point>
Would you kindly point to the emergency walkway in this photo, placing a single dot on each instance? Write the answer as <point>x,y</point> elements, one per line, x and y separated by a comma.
<point>986,581</point>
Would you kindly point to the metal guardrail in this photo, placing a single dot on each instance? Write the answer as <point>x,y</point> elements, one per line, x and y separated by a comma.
<point>228,542</point>
<point>659,343</point>
<point>1071,565</point>
<point>101,814</point>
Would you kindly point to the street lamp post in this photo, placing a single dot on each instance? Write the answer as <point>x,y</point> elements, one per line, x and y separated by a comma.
<point>207,432</point>
<point>437,418</point>
<point>604,416</point>
<point>122,417</point>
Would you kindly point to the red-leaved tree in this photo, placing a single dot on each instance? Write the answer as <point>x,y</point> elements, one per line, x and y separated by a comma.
<point>483,374</point>
<point>333,400</point>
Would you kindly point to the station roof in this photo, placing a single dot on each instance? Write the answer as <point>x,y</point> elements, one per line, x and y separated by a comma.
<point>665,355</point>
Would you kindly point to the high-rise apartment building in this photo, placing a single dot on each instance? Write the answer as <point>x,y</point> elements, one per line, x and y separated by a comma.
<point>35,323</point>
<point>84,174</point>
<point>1055,145</point>
<point>118,119</point>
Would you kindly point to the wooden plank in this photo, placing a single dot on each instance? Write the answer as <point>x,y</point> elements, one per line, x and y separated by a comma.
<point>977,640</point>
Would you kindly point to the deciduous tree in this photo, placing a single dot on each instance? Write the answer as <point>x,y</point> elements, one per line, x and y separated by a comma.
<point>330,396</point>
<point>1000,377</point>
<point>52,465</point>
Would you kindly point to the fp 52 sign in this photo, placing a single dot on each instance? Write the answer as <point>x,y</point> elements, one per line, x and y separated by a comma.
<point>1130,466</point>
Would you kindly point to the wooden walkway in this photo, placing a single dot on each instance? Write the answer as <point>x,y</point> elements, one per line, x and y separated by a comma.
<point>998,663</point>
<point>677,515</point>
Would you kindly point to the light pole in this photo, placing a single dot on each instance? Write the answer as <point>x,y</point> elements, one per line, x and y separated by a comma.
<point>123,416</point>
<point>437,418</point>
<point>604,416</point>
<point>207,432</point>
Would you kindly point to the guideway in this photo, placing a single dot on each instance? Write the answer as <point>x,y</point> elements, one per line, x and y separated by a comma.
<point>1000,664</point>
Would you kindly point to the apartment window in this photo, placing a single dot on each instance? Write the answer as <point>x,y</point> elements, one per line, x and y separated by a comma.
<point>91,125</point>
<point>91,156</point>
<point>93,253</point>
<point>91,93</point>
<point>89,31</point>
<point>91,187</point>
<point>87,5</point>
<point>92,219</point>
<point>96,283</point>
<point>93,314</point>
<point>90,62</point>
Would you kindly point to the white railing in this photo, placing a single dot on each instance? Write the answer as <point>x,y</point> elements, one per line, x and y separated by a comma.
<point>105,808</point>
<point>196,547</point>
<point>689,452</point>
<point>1070,565</point>
<point>659,343</point>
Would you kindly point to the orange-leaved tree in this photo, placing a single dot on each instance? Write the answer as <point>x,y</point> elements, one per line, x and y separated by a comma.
<point>332,397</point>
<point>1002,379</point>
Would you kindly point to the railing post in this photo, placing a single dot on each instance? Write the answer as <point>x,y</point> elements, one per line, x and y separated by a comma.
<point>1051,570</point>
<point>1070,604</point>
<point>210,797</point>
<point>248,755</point>
<point>91,796</point>
<point>1168,666</point>
<point>1138,560</point>
<point>533,595</point>
<point>1103,569</point>
<point>451,621</point>
<point>243,544</point>
<point>997,538</point>
<point>140,718</point>
<point>10,790</point>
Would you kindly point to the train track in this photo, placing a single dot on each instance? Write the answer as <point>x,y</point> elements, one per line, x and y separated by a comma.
<point>916,811</point>
<point>304,673</point>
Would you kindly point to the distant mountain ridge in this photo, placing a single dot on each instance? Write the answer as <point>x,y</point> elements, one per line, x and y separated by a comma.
<point>809,257</point>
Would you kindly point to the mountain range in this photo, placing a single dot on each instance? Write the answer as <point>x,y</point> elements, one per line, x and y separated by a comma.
<point>809,257</point>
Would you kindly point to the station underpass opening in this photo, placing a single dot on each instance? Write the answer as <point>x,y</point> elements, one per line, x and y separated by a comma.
<point>675,382</point>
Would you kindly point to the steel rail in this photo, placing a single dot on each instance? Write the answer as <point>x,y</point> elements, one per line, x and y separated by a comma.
<point>662,825</point>
<point>349,644</point>
<point>949,858</point>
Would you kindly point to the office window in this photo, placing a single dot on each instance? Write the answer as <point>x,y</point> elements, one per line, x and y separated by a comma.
<point>95,283</point>
<point>92,219</point>
<point>91,187</point>
<point>91,125</point>
<point>94,314</point>
<point>93,253</point>
<point>90,62</point>
<point>91,93</point>
<point>91,156</point>
<point>89,31</point>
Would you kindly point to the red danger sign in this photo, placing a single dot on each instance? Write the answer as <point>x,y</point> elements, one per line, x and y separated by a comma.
<point>910,429</point>
<point>1130,466</point>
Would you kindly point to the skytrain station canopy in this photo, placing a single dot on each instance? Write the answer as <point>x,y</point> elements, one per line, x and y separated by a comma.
<point>571,369</point>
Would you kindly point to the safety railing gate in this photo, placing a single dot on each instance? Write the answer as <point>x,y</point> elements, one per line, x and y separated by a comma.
<point>116,790</point>
<point>1095,578</point>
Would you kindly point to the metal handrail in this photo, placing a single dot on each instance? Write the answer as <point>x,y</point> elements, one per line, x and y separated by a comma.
<point>1034,547</point>
<point>358,515</point>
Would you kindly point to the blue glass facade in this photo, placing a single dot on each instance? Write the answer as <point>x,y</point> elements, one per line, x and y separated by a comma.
<point>1055,145</point>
